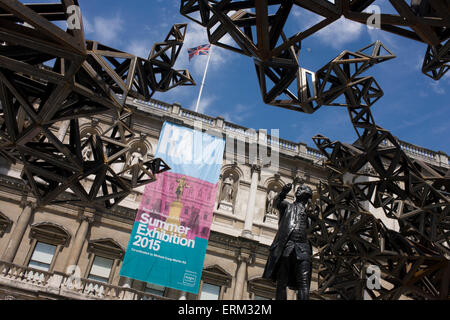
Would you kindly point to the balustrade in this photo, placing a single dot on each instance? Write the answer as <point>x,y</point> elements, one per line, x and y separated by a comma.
<point>67,285</point>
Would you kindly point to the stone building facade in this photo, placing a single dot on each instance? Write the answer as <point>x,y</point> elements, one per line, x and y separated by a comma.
<point>39,247</point>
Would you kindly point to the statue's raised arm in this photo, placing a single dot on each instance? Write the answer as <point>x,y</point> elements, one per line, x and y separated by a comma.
<point>279,201</point>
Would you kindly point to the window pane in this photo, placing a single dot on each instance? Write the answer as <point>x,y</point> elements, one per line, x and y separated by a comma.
<point>260,298</point>
<point>39,265</point>
<point>99,279</point>
<point>210,292</point>
<point>101,269</point>
<point>42,256</point>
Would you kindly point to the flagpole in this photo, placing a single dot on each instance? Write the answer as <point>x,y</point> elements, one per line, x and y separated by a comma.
<point>204,77</point>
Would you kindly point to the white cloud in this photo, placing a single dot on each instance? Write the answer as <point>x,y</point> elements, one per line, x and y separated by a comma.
<point>140,48</point>
<point>437,88</point>
<point>340,32</point>
<point>105,30</point>
<point>205,102</point>
<point>108,29</point>
<point>388,39</point>
<point>336,34</point>
<point>238,114</point>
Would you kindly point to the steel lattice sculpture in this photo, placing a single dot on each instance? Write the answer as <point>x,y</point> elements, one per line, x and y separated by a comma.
<point>372,173</point>
<point>260,34</point>
<point>52,76</point>
<point>375,169</point>
<point>421,20</point>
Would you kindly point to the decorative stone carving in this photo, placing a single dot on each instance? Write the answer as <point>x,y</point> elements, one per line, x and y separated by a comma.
<point>136,157</point>
<point>86,154</point>
<point>271,213</point>
<point>5,224</point>
<point>50,233</point>
<point>228,191</point>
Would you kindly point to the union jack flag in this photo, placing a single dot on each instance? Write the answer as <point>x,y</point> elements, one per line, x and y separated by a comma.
<point>202,50</point>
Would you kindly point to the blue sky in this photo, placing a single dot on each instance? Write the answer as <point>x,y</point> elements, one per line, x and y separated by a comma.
<point>414,107</point>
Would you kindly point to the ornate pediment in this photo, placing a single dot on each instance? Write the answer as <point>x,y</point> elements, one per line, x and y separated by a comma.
<point>217,275</point>
<point>262,287</point>
<point>50,233</point>
<point>108,248</point>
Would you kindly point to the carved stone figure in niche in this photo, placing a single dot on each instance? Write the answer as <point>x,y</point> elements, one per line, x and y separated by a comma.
<point>270,210</point>
<point>228,189</point>
<point>135,158</point>
<point>86,154</point>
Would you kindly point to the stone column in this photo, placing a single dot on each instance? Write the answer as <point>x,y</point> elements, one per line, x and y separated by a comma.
<point>18,232</point>
<point>247,232</point>
<point>78,241</point>
<point>63,130</point>
<point>244,259</point>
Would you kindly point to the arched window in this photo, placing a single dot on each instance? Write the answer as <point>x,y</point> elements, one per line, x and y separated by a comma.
<point>47,241</point>
<point>105,256</point>
<point>86,132</point>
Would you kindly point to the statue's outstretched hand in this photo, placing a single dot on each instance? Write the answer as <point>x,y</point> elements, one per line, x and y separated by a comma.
<point>287,188</point>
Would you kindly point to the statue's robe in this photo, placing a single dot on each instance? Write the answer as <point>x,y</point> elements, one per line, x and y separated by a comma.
<point>289,212</point>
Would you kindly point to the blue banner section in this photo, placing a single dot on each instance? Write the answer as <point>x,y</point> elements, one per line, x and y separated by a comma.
<point>163,262</point>
<point>191,152</point>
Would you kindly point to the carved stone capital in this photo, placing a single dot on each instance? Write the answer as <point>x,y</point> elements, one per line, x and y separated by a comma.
<point>298,180</point>
<point>246,257</point>
<point>256,168</point>
<point>89,217</point>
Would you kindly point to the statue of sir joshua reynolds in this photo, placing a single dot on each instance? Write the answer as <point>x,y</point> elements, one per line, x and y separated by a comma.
<point>289,262</point>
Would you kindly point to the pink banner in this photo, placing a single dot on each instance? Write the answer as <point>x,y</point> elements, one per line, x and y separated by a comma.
<point>181,200</point>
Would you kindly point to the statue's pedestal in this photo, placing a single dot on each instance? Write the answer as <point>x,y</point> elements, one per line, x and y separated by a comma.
<point>174,216</point>
<point>175,212</point>
<point>271,218</point>
<point>226,206</point>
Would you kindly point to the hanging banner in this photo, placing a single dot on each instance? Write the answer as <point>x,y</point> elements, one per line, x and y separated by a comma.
<point>168,243</point>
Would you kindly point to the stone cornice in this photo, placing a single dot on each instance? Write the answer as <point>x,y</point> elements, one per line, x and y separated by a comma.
<point>17,187</point>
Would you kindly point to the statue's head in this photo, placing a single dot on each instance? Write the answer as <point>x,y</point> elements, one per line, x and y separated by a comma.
<point>303,193</point>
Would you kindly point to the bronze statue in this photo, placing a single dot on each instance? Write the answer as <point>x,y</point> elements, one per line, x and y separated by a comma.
<point>289,262</point>
<point>182,184</point>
